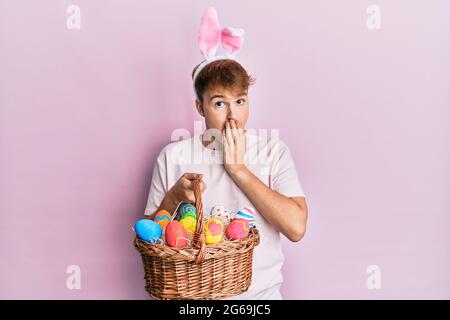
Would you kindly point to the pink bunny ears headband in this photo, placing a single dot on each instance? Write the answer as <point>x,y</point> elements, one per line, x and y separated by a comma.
<point>209,37</point>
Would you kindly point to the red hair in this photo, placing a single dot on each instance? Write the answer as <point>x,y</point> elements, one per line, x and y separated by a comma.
<point>227,73</point>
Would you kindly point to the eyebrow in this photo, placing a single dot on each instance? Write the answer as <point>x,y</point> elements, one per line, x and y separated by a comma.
<point>221,96</point>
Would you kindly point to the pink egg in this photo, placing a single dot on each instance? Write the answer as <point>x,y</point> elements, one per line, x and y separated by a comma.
<point>176,235</point>
<point>237,229</point>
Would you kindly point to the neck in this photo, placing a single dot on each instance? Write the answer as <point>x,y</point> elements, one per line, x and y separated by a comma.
<point>210,144</point>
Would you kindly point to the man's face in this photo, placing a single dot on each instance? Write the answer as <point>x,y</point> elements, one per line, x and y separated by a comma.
<point>220,105</point>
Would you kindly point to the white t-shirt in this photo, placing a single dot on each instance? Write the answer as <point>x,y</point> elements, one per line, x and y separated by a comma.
<point>268,159</point>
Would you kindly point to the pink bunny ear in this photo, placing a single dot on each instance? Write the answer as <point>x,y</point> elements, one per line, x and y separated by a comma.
<point>232,40</point>
<point>209,34</point>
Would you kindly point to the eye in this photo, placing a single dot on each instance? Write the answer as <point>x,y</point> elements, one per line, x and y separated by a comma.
<point>240,101</point>
<point>219,104</point>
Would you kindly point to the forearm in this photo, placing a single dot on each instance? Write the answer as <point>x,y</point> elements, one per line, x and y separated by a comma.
<point>282,212</point>
<point>169,203</point>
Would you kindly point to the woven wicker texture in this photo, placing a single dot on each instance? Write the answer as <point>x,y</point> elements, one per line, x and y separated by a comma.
<point>201,271</point>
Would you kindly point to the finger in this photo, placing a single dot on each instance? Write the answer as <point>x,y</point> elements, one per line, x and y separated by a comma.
<point>225,147</point>
<point>192,186</point>
<point>185,183</point>
<point>243,133</point>
<point>229,135</point>
<point>190,197</point>
<point>192,176</point>
<point>234,131</point>
<point>223,139</point>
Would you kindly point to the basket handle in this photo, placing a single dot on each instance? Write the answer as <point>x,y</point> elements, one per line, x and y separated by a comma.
<point>199,236</point>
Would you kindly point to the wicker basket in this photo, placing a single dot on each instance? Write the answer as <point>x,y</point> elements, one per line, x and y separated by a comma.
<point>201,271</point>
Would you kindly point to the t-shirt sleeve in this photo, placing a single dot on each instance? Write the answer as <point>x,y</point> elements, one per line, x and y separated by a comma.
<point>283,174</point>
<point>158,186</point>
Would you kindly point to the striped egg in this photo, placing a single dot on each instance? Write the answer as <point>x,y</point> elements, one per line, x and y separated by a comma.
<point>187,210</point>
<point>163,217</point>
<point>248,214</point>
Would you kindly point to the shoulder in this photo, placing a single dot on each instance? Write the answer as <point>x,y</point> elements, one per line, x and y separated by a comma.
<point>265,150</point>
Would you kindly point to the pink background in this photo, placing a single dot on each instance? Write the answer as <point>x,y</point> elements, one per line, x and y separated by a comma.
<point>85,112</point>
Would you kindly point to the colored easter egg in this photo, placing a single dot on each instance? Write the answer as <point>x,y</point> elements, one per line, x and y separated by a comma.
<point>247,214</point>
<point>148,230</point>
<point>189,223</point>
<point>237,229</point>
<point>163,217</point>
<point>221,213</point>
<point>213,231</point>
<point>189,214</point>
<point>176,235</point>
<point>187,209</point>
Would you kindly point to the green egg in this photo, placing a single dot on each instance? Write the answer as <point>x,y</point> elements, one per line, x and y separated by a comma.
<point>188,214</point>
<point>186,208</point>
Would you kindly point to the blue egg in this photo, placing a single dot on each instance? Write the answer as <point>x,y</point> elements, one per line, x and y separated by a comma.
<point>148,230</point>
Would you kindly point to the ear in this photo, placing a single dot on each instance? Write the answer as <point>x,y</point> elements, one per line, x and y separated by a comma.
<point>209,33</point>
<point>232,40</point>
<point>199,107</point>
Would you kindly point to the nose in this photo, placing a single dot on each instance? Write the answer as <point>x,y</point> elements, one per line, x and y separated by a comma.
<point>231,114</point>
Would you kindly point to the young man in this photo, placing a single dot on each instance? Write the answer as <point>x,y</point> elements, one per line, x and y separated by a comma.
<point>237,170</point>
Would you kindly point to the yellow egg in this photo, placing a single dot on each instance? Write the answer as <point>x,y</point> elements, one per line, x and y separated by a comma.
<point>213,231</point>
<point>189,223</point>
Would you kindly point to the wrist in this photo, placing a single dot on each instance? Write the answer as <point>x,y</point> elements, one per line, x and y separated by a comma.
<point>172,200</point>
<point>237,170</point>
